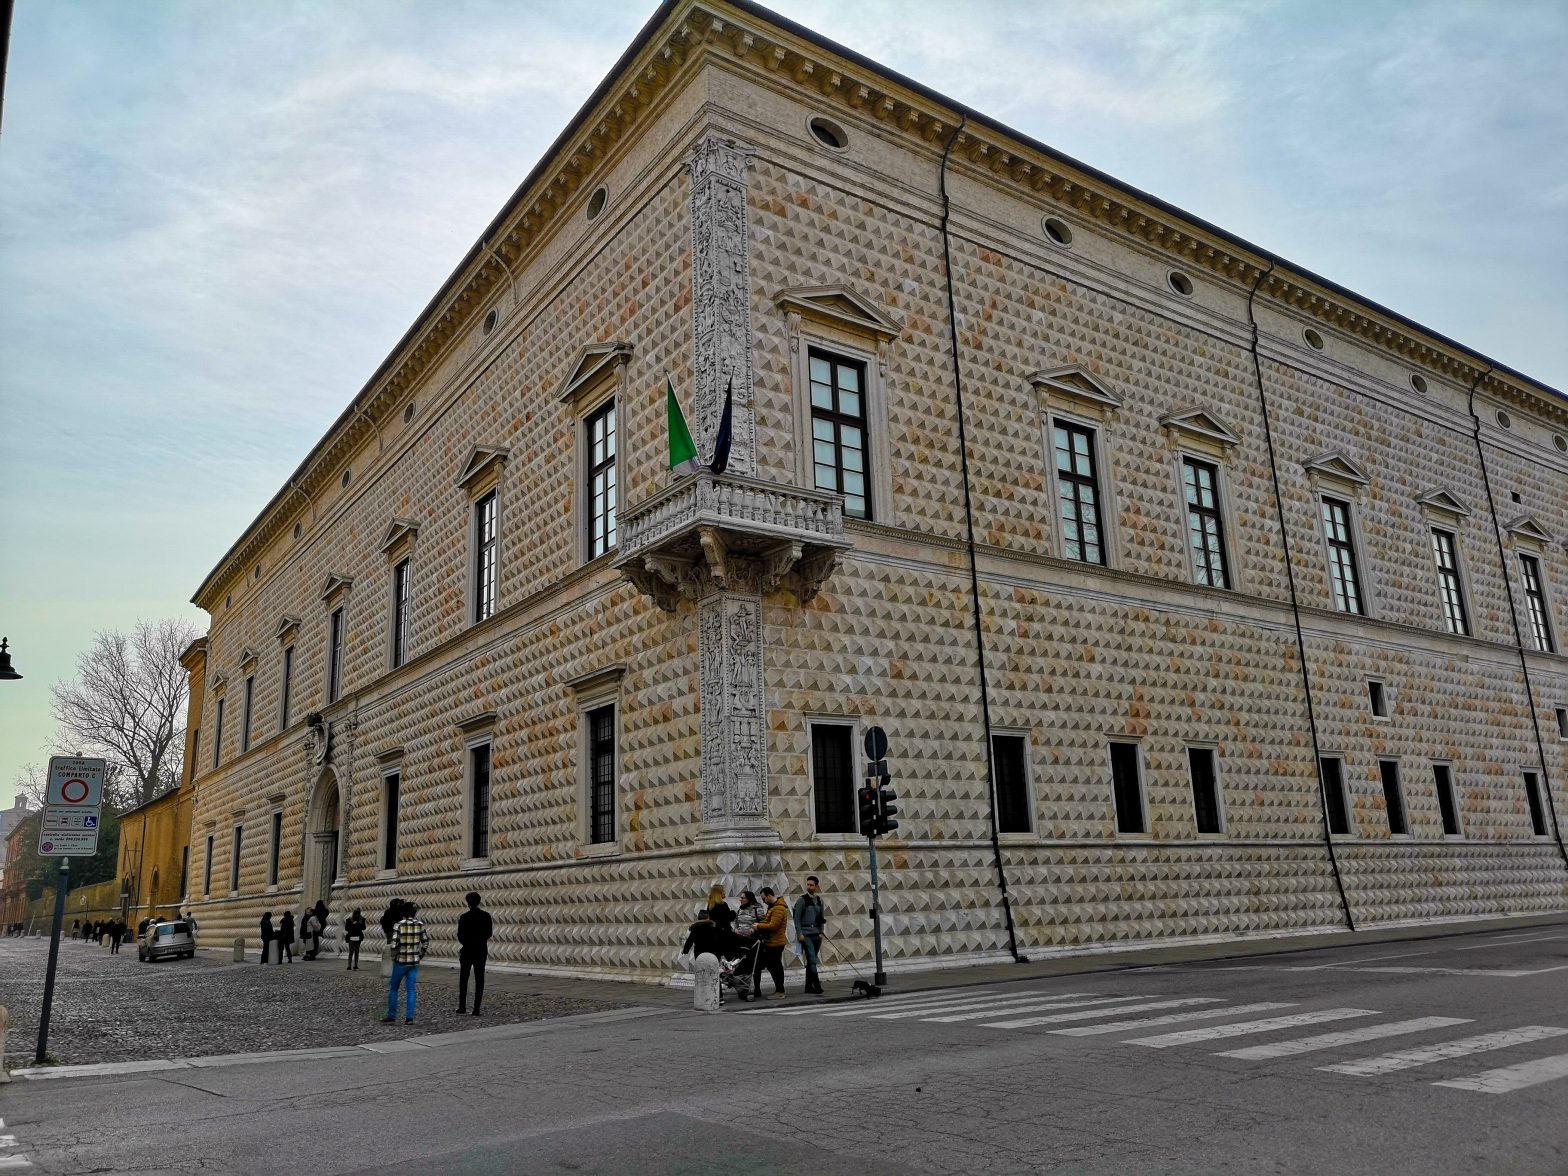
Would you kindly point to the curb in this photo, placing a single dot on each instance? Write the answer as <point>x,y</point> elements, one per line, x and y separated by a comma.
<point>327,1053</point>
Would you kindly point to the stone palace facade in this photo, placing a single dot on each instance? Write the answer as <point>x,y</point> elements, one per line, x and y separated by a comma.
<point>1197,595</point>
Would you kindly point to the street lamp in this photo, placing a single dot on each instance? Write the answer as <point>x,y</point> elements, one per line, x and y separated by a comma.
<point>7,674</point>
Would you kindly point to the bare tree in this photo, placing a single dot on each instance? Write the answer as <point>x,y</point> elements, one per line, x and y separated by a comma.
<point>127,704</point>
<point>30,784</point>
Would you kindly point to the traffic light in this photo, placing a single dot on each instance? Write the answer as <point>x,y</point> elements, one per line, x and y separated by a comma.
<point>886,809</point>
<point>868,811</point>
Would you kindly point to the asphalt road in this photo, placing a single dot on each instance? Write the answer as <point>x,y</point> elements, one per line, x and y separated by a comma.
<point>1433,1056</point>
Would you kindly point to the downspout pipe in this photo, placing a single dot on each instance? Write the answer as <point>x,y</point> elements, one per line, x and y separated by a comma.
<point>1295,602</point>
<point>1513,611</point>
<point>969,545</point>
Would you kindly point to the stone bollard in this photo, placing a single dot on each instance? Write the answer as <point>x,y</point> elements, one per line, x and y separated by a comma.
<point>5,1020</point>
<point>239,949</point>
<point>705,986</point>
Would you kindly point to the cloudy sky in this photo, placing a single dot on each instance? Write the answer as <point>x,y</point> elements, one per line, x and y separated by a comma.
<point>216,218</point>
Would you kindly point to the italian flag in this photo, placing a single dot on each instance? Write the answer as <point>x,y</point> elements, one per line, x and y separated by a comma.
<point>683,451</point>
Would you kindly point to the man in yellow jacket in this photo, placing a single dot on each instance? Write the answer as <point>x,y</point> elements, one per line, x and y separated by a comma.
<point>772,934</point>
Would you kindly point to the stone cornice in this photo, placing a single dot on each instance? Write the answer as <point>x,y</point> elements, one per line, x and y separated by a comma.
<point>684,34</point>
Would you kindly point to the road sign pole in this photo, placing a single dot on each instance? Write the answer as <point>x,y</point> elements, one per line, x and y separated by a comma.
<point>61,887</point>
<point>879,977</point>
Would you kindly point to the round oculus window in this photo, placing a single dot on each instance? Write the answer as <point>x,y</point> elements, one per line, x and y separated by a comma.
<point>1504,419</point>
<point>256,574</point>
<point>1561,442</point>
<point>299,529</point>
<point>347,477</point>
<point>828,133</point>
<point>597,201</point>
<point>1314,340</point>
<point>1180,283</point>
<point>1056,231</point>
<point>408,414</point>
<point>1418,382</point>
<point>493,317</point>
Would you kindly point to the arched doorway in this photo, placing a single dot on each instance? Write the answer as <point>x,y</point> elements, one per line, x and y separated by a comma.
<point>322,841</point>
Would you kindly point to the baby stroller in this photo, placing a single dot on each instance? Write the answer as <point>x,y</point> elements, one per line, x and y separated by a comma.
<point>738,973</point>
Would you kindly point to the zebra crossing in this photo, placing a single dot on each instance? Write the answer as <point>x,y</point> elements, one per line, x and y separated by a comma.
<point>10,1159</point>
<point>1090,1014</point>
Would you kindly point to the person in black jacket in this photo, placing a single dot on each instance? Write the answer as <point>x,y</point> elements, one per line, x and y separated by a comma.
<point>354,935</point>
<point>286,937</point>
<point>474,928</point>
<point>267,936</point>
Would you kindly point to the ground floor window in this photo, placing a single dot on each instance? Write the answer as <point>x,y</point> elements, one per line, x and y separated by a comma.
<point>1332,773</point>
<point>1010,757</point>
<point>1447,803</point>
<point>1127,788</point>
<point>1393,798</point>
<point>601,774</point>
<point>833,777</point>
<point>1203,768</point>
<point>1532,793</point>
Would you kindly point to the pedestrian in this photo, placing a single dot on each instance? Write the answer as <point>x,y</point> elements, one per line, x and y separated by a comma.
<point>321,912</point>
<point>286,937</point>
<point>76,928</point>
<point>474,928</point>
<point>773,931</point>
<point>722,914</point>
<point>704,937</point>
<point>354,935</point>
<point>267,936</point>
<point>746,915</point>
<point>389,918</point>
<point>190,918</point>
<point>408,944</point>
<point>309,934</point>
<point>810,924</point>
<point>141,928</point>
<point>116,934</point>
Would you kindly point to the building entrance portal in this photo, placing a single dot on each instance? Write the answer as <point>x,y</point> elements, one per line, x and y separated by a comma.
<point>322,838</point>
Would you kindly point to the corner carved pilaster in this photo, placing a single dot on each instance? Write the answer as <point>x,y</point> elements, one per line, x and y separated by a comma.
<point>733,715</point>
<point>721,295</point>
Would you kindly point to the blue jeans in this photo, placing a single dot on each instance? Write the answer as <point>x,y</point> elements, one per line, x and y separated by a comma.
<point>400,974</point>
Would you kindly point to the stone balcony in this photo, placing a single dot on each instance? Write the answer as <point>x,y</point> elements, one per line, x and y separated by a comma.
<point>730,533</point>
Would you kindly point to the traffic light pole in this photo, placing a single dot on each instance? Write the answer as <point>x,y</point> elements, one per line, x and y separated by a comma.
<point>54,959</point>
<point>879,977</point>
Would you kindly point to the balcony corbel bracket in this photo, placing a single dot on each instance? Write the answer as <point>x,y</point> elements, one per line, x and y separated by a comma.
<point>716,554</point>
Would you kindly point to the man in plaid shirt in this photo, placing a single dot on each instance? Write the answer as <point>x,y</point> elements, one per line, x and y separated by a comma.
<point>408,945</point>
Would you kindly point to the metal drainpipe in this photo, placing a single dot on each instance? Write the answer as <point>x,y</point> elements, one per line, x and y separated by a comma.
<point>1513,612</point>
<point>969,529</point>
<point>1295,604</point>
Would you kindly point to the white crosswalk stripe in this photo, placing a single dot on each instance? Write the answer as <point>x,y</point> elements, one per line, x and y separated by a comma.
<point>1092,1013</point>
<point>1406,1059</point>
<point>943,1004</point>
<point>887,1004</point>
<point>994,1005</point>
<point>1301,1045</point>
<point>1032,1007</point>
<point>1508,1078</point>
<point>1211,1032</point>
<point>1170,1019</point>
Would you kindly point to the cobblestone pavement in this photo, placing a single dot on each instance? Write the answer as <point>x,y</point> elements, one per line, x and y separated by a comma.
<point>110,1008</point>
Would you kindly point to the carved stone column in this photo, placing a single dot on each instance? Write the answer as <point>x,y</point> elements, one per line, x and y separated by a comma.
<point>721,296</point>
<point>734,713</point>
